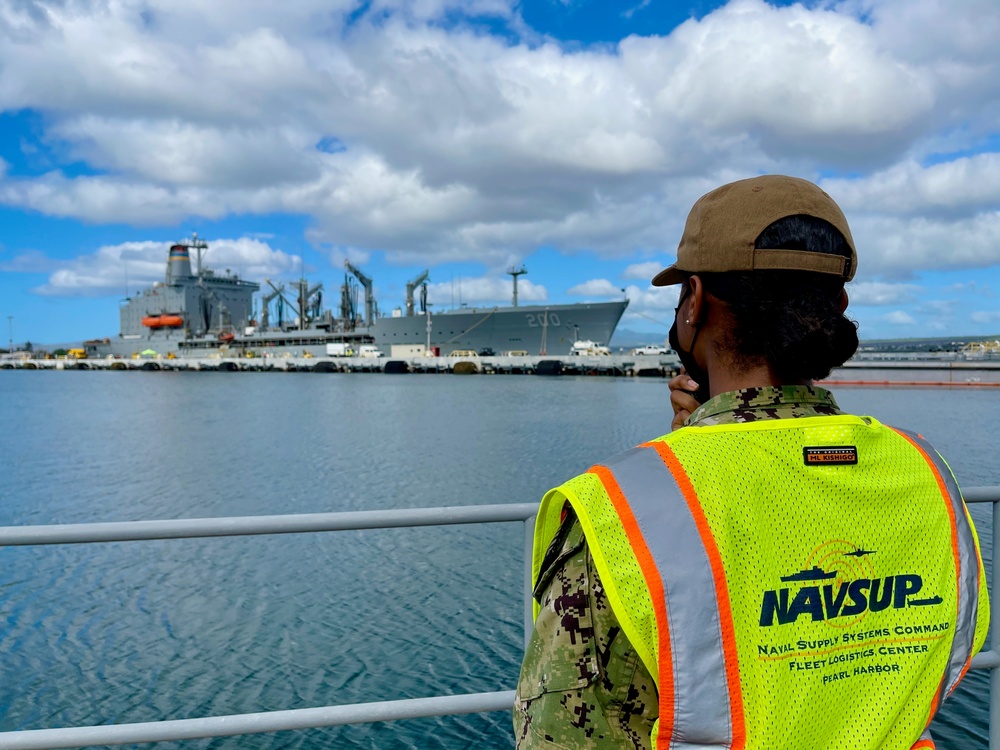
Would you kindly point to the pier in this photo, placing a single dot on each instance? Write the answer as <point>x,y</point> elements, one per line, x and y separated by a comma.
<point>899,370</point>
<point>614,365</point>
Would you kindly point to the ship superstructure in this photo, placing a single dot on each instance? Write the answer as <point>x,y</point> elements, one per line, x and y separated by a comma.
<point>188,304</point>
<point>196,312</point>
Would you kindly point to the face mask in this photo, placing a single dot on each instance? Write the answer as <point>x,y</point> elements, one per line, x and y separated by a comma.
<point>687,359</point>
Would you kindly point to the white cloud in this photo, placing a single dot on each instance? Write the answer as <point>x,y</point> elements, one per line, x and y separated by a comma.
<point>650,304</point>
<point>596,288</point>
<point>112,267</point>
<point>110,199</point>
<point>961,187</point>
<point>938,307</point>
<point>486,290</point>
<point>454,144</point>
<point>656,299</point>
<point>899,318</point>
<point>971,287</point>
<point>852,101</point>
<point>184,153</point>
<point>986,316</point>
<point>643,4</point>
<point>900,246</point>
<point>29,261</point>
<point>864,293</point>
<point>643,271</point>
<point>646,304</point>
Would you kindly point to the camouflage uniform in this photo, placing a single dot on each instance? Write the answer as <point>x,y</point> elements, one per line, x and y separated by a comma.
<point>582,684</point>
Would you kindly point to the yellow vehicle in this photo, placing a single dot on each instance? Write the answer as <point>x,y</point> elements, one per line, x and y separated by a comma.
<point>76,353</point>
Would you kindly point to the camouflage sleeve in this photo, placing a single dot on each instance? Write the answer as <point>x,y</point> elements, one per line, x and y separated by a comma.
<point>582,685</point>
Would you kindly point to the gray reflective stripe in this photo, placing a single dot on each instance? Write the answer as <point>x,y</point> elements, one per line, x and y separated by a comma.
<point>701,695</point>
<point>968,588</point>
<point>926,735</point>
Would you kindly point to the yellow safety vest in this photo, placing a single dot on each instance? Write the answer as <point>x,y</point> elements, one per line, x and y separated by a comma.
<point>790,584</point>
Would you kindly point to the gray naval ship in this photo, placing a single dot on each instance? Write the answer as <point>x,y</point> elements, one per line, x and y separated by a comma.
<point>195,312</point>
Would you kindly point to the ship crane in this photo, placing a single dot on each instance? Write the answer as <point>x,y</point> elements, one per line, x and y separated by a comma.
<point>348,303</point>
<point>366,282</point>
<point>306,310</point>
<point>412,285</point>
<point>207,296</point>
<point>267,299</point>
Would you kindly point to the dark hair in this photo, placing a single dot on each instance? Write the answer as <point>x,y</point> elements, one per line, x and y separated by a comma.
<point>788,319</point>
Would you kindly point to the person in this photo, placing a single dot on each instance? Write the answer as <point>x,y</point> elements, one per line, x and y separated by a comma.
<point>773,573</point>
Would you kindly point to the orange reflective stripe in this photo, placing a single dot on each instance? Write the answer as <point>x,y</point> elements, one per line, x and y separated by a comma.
<point>721,591</point>
<point>654,583</point>
<point>946,497</point>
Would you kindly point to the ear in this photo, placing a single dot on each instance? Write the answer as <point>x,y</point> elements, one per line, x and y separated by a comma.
<point>842,301</point>
<point>696,301</point>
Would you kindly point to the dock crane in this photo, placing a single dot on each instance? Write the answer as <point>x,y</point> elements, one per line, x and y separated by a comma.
<point>410,286</point>
<point>366,282</point>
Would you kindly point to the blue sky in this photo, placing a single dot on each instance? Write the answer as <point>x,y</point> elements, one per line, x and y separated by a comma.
<point>467,136</point>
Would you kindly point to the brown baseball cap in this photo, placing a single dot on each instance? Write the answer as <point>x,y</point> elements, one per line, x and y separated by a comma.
<point>724,225</point>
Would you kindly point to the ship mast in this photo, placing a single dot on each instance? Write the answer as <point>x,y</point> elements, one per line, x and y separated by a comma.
<point>199,246</point>
<point>515,272</point>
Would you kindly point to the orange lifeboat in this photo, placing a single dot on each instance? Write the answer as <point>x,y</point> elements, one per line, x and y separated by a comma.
<point>227,336</point>
<point>153,321</point>
<point>171,321</point>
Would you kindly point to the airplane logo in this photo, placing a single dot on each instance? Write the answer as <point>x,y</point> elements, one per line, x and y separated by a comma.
<point>860,552</point>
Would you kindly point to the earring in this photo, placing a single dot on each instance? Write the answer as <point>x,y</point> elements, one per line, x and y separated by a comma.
<point>687,321</point>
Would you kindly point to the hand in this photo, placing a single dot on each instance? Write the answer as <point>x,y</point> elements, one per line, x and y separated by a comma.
<point>681,400</point>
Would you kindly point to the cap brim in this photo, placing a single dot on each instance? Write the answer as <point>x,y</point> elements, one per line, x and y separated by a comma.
<point>668,277</point>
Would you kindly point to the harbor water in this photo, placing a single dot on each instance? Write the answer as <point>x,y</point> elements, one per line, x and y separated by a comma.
<point>142,631</point>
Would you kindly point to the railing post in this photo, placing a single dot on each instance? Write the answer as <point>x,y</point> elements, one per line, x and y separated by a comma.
<point>995,639</point>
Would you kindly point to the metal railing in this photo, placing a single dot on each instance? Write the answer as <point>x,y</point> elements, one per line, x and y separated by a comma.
<point>357,713</point>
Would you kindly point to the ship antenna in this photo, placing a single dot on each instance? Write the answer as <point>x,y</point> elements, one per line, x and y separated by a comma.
<point>514,271</point>
<point>199,246</point>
